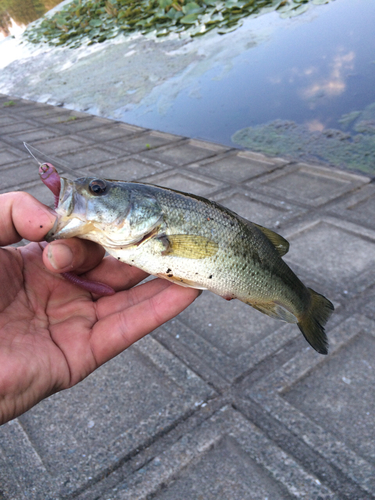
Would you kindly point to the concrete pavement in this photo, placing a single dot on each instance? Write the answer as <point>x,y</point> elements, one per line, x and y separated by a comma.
<point>221,402</point>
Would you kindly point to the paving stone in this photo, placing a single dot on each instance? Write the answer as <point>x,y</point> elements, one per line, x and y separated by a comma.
<point>37,134</point>
<point>368,306</point>
<point>79,125</point>
<point>338,255</point>
<point>8,155</point>
<point>185,181</point>
<point>226,457</point>
<point>126,169</point>
<point>358,207</point>
<point>7,119</point>
<point>238,167</point>
<point>17,175</point>
<point>307,184</point>
<point>258,208</point>
<point>60,145</point>
<point>340,388</point>
<point>185,153</point>
<point>16,127</point>
<point>108,132</point>
<point>66,440</point>
<point>144,142</point>
<point>89,156</point>
<point>228,347</point>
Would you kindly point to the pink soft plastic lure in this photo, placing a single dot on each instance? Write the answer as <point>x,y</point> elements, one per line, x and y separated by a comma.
<point>51,179</point>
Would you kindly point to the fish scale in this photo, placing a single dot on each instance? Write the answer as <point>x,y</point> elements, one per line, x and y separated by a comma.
<point>193,242</point>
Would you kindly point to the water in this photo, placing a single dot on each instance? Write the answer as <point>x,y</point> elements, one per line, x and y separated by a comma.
<point>311,70</point>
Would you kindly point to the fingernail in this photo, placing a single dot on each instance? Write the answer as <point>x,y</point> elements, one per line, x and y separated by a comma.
<point>60,256</point>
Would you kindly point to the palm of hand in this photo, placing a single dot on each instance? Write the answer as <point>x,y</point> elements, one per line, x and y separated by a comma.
<point>53,334</point>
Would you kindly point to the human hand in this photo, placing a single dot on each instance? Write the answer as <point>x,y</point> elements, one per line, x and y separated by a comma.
<point>52,333</point>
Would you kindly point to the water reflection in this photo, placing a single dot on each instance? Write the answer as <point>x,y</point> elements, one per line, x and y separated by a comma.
<point>15,15</point>
<point>309,71</point>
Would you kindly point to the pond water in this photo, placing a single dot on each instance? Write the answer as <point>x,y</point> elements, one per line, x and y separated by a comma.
<point>303,81</point>
<point>300,87</point>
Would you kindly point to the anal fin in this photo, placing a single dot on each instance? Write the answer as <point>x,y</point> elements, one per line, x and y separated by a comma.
<point>275,311</point>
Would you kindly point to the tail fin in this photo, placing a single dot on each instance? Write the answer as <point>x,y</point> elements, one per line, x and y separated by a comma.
<point>313,321</point>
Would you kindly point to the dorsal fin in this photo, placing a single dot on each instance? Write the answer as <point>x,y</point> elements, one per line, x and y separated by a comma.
<point>280,243</point>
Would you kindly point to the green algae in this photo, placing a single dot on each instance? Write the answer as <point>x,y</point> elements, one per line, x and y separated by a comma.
<point>354,149</point>
<point>94,21</point>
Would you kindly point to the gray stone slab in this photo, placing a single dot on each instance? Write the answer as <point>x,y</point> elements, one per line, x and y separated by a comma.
<point>36,134</point>
<point>227,457</point>
<point>238,167</point>
<point>230,338</point>
<point>185,181</point>
<point>368,305</point>
<point>308,184</point>
<point>358,207</point>
<point>9,156</point>
<point>111,131</point>
<point>338,255</point>
<point>259,208</point>
<point>130,169</point>
<point>144,142</point>
<point>61,145</point>
<point>89,156</point>
<point>73,437</point>
<point>16,127</point>
<point>338,399</point>
<point>184,153</point>
<point>71,126</point>
<point>18,174</point>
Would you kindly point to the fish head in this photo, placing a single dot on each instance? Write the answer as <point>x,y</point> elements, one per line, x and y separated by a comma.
<point>111,213</point>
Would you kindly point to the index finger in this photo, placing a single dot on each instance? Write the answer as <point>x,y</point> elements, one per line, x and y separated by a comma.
<point>22,216</point>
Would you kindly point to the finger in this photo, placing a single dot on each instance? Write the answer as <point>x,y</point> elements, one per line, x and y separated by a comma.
<point>118,275</point>
<point>72,254</point>
<point>128,298</point>
<point>22,216</point>
<point>115,333</point>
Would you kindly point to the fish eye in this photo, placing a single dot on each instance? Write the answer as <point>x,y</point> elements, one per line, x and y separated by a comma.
<point>97,186</point>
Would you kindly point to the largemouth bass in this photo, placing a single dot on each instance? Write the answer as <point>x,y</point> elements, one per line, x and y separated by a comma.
<point>193,242</point>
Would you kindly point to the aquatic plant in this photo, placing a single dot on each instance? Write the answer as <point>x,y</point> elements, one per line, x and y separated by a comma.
<point>353,149</point>
<point>98,20</point>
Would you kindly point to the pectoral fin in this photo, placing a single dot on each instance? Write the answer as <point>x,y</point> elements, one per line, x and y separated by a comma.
<point>190,246</point>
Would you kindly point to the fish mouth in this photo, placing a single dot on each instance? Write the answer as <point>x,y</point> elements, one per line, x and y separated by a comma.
<point>70,211</point>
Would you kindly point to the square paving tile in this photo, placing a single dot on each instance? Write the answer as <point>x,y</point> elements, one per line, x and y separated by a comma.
<point>229,338</point>
<point>185,181</point>
<point>358,207</point>
<point>227,457</point>
<point>308,184</point>
<point>238,167</point>
<point>338,255</point>
<point>78,434</point>
<point>111,131</point>
<point>18,175</point>
<point>61,145</point>
<point>37,134</point>
<point>328,402</point>
<point>8,156</point>
<point>258,208</point>
<point>15,126</point>
<point>184,153</point>
<point>144,142</point>
<point>126,169</point>
<point>88,157</point>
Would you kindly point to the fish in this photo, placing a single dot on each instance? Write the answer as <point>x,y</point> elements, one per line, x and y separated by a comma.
<point>194,242</point>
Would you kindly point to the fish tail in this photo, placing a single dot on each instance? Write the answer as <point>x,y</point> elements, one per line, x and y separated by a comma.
<point>312,322</point>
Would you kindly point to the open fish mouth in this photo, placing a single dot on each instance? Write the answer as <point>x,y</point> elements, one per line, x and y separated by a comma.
<point>66,225</point>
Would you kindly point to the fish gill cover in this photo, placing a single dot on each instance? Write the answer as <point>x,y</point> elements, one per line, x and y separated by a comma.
<point>96,21</point>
